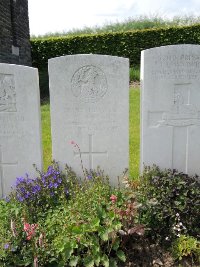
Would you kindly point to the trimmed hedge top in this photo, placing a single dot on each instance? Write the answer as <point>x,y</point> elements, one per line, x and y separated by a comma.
<point>124,44</point>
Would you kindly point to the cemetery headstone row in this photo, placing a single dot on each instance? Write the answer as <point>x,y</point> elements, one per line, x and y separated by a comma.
<point>89,105</point>
<point>89,99</point>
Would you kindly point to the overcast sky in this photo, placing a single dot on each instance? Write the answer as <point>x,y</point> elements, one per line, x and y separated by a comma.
<point>63,15</point>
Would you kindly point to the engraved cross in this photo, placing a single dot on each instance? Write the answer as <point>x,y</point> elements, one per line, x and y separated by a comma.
<point>182,115</point>
<point>90,153</point>
<point>2,164</point>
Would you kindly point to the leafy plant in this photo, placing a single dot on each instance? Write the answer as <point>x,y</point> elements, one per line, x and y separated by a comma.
<point>170,203</point>
<point>84,232</point>
<point>56,220</point>
<point>185,246</point>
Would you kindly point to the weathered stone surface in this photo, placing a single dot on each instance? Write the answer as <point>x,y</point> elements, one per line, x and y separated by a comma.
<point>170,106</point>
<point>89,96</point>
<point>20,130</point>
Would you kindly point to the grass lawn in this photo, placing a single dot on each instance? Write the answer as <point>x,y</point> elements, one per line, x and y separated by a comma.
<point>134,132</point>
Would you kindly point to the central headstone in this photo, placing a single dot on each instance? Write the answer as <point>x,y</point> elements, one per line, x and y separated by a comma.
<point>170,103</point>
<point>20,130</point>
<point>89,97</point>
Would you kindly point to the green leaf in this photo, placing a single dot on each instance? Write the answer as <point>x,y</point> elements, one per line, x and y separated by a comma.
<point>105,260</point>
<point>74,261</point>
<point>95,222</point>
<point>52,259</point>
<point>111,215</point>
<point>89,261</point>
<point>104,236</point>
<point>97,259</point>
<point>116,245</point>
<point>112,263</point>
<point>101,213</point>
<point>77,229</point>
<point>68,252</point>
<point>121,255</point>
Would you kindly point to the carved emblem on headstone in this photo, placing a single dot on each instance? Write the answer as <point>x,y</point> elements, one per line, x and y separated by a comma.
<point>7,93</point>
<point>89,84</point>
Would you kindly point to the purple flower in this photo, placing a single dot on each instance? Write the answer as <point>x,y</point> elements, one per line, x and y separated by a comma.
<point>50,184</point>
<point>59,180</point>
<point>50,170</point>
<point>19,180</point>
<point>7,199</point>
<point>22,189</point>
<point>30,181</point>
<point>89,177</point>
<point>20,198</point>
<point>27,195</point>
<point>51,194</point>
<point>43,179</point>
<point>55,185</point>
<point>36,189</point>
<point>6,246</point>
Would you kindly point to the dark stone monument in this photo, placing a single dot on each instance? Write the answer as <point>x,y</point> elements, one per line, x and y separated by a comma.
<point>14,32</point>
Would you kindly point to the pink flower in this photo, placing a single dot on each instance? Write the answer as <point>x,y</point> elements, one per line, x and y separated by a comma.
<point>74,144</point>
<point>113,198</point>
<point>26,227</point>
<point>29,229</point>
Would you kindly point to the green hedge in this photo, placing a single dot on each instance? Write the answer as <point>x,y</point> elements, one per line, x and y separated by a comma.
<point>126,44</point>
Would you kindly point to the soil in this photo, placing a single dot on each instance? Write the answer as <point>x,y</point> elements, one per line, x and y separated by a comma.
<point>134,84</point>
<point>143,254</point>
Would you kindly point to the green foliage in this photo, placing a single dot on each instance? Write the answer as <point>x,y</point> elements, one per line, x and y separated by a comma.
<point>44,83</point>
<point>185,246</point>
<point>125,44</point>
<point>135,73</point>
<point>43,223</point>
<point>170,203</point>
<point>95,223</point>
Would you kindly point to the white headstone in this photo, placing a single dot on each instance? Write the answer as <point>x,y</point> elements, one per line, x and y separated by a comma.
<point>170,104</point>
<point>20,131</point>
<point>89,96</point>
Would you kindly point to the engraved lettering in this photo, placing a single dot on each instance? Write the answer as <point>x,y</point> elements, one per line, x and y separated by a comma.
<point>174,67</point>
